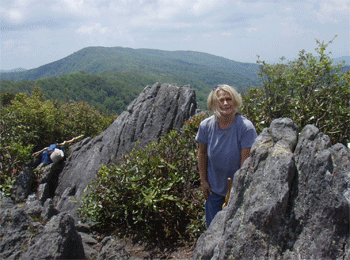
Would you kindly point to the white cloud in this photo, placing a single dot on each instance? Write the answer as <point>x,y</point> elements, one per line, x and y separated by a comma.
<point>8,44</point>
<point>222,27</point>
<point>96,28</point>
<point>333,11</point>
<point>15,16</point>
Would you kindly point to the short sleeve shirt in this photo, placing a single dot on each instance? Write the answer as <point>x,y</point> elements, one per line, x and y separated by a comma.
<point>224,149</point>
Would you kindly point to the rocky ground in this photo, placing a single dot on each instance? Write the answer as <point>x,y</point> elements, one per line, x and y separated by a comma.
<point>141,251</point>
<point>26,234</point>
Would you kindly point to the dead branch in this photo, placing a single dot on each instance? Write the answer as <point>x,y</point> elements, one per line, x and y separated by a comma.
<point>61,144</point>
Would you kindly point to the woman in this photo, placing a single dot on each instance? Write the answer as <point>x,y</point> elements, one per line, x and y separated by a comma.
<point>224,140</point>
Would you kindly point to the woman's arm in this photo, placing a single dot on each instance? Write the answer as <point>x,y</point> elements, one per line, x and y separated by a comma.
<point>202,165</point>
<point>245,153</point>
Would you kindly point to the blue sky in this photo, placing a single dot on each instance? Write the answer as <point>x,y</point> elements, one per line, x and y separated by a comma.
<point>37,32</point>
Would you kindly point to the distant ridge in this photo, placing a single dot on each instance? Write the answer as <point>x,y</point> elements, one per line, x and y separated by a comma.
<point>343,58</point>
<point>13,70</point>
<point>209,69</point>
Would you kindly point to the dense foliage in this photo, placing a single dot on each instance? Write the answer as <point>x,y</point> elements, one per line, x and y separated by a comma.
<point>106,91</point>
<point>154,192</point>
<point>310,90</point>
<point>29,123</point>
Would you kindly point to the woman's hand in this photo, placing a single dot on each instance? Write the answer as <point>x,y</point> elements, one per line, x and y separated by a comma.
<point>206,189</point>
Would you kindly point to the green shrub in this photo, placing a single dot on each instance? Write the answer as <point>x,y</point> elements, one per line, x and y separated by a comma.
<point>154,191</point>
<point>28,123</point>
<point>191,126</point>
<point>309,90</point>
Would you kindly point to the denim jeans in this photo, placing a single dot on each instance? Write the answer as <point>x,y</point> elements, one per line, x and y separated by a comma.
<point>212,206</point>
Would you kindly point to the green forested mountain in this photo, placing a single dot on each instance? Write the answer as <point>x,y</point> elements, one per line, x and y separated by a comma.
<point>201,66</point>
<point>107,90</point>
<point>106,77</point>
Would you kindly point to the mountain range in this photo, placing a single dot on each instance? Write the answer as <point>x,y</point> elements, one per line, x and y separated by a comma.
<point>118,68</point>
<point>205,67</point>
<point>13,70</point>
<point>346,59</point>
<point>110,77</point>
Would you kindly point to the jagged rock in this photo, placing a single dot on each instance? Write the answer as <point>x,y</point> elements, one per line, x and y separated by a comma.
<point>88,239</point>
<point>16,229</point>
<point>49,174</point>
<point>90,244</point>
<point>82,227</point>
<point>22,238</point>
<point>321,207</point>
<point>158,109</point>
<point>112,248</point>
<point>285,204</point>
<point>67,202</point>
<point>59,240</point>
<point>43,192</point>
<point>23,185</point>
<point>48,210</point>
<point>47,171</point>
<point>33,208</point>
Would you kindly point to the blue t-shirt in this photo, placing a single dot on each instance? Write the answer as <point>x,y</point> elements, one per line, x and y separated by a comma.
<point>224,149</point>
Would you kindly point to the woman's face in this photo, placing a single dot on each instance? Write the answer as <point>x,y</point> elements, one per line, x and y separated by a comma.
<point>226,104</point>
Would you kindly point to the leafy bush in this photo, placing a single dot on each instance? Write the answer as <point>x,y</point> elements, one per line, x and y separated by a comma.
<point>191,126</point>
<point>29,123</point>
<point>309,90</point>
<point>153,191</point>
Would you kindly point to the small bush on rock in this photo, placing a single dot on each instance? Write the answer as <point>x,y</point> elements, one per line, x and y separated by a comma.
<point>154,191</point>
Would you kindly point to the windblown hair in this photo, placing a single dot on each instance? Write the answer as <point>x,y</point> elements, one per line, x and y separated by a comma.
<point>213,100</point>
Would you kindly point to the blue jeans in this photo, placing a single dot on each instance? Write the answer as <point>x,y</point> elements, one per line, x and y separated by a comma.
<point>212,206</point>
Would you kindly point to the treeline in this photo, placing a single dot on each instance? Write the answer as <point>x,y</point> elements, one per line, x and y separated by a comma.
<point>107,91</point>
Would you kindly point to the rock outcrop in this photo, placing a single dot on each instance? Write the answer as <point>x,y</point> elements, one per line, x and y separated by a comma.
<point>59,240</point>
<point>290,200</point>
<point>16,229</point>
<point>24,236</point>
<point>23,184</point>
<point>158,109</point>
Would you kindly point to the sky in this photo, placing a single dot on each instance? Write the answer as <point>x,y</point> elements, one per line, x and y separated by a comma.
<point>38,32</point>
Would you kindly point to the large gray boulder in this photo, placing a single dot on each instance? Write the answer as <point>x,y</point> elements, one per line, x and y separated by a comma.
<point>290,200</point>
<point>23,184</point>
<point>112,248</point>
<point>59,240</point>
<point>16,229</point>
<point>158,109</point>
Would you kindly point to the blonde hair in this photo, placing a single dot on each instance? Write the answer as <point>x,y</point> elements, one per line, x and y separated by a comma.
<point>213,100</point>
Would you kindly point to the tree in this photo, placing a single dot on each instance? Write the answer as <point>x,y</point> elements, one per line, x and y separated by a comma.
<point>29,123</point>
<point>310,90</point>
